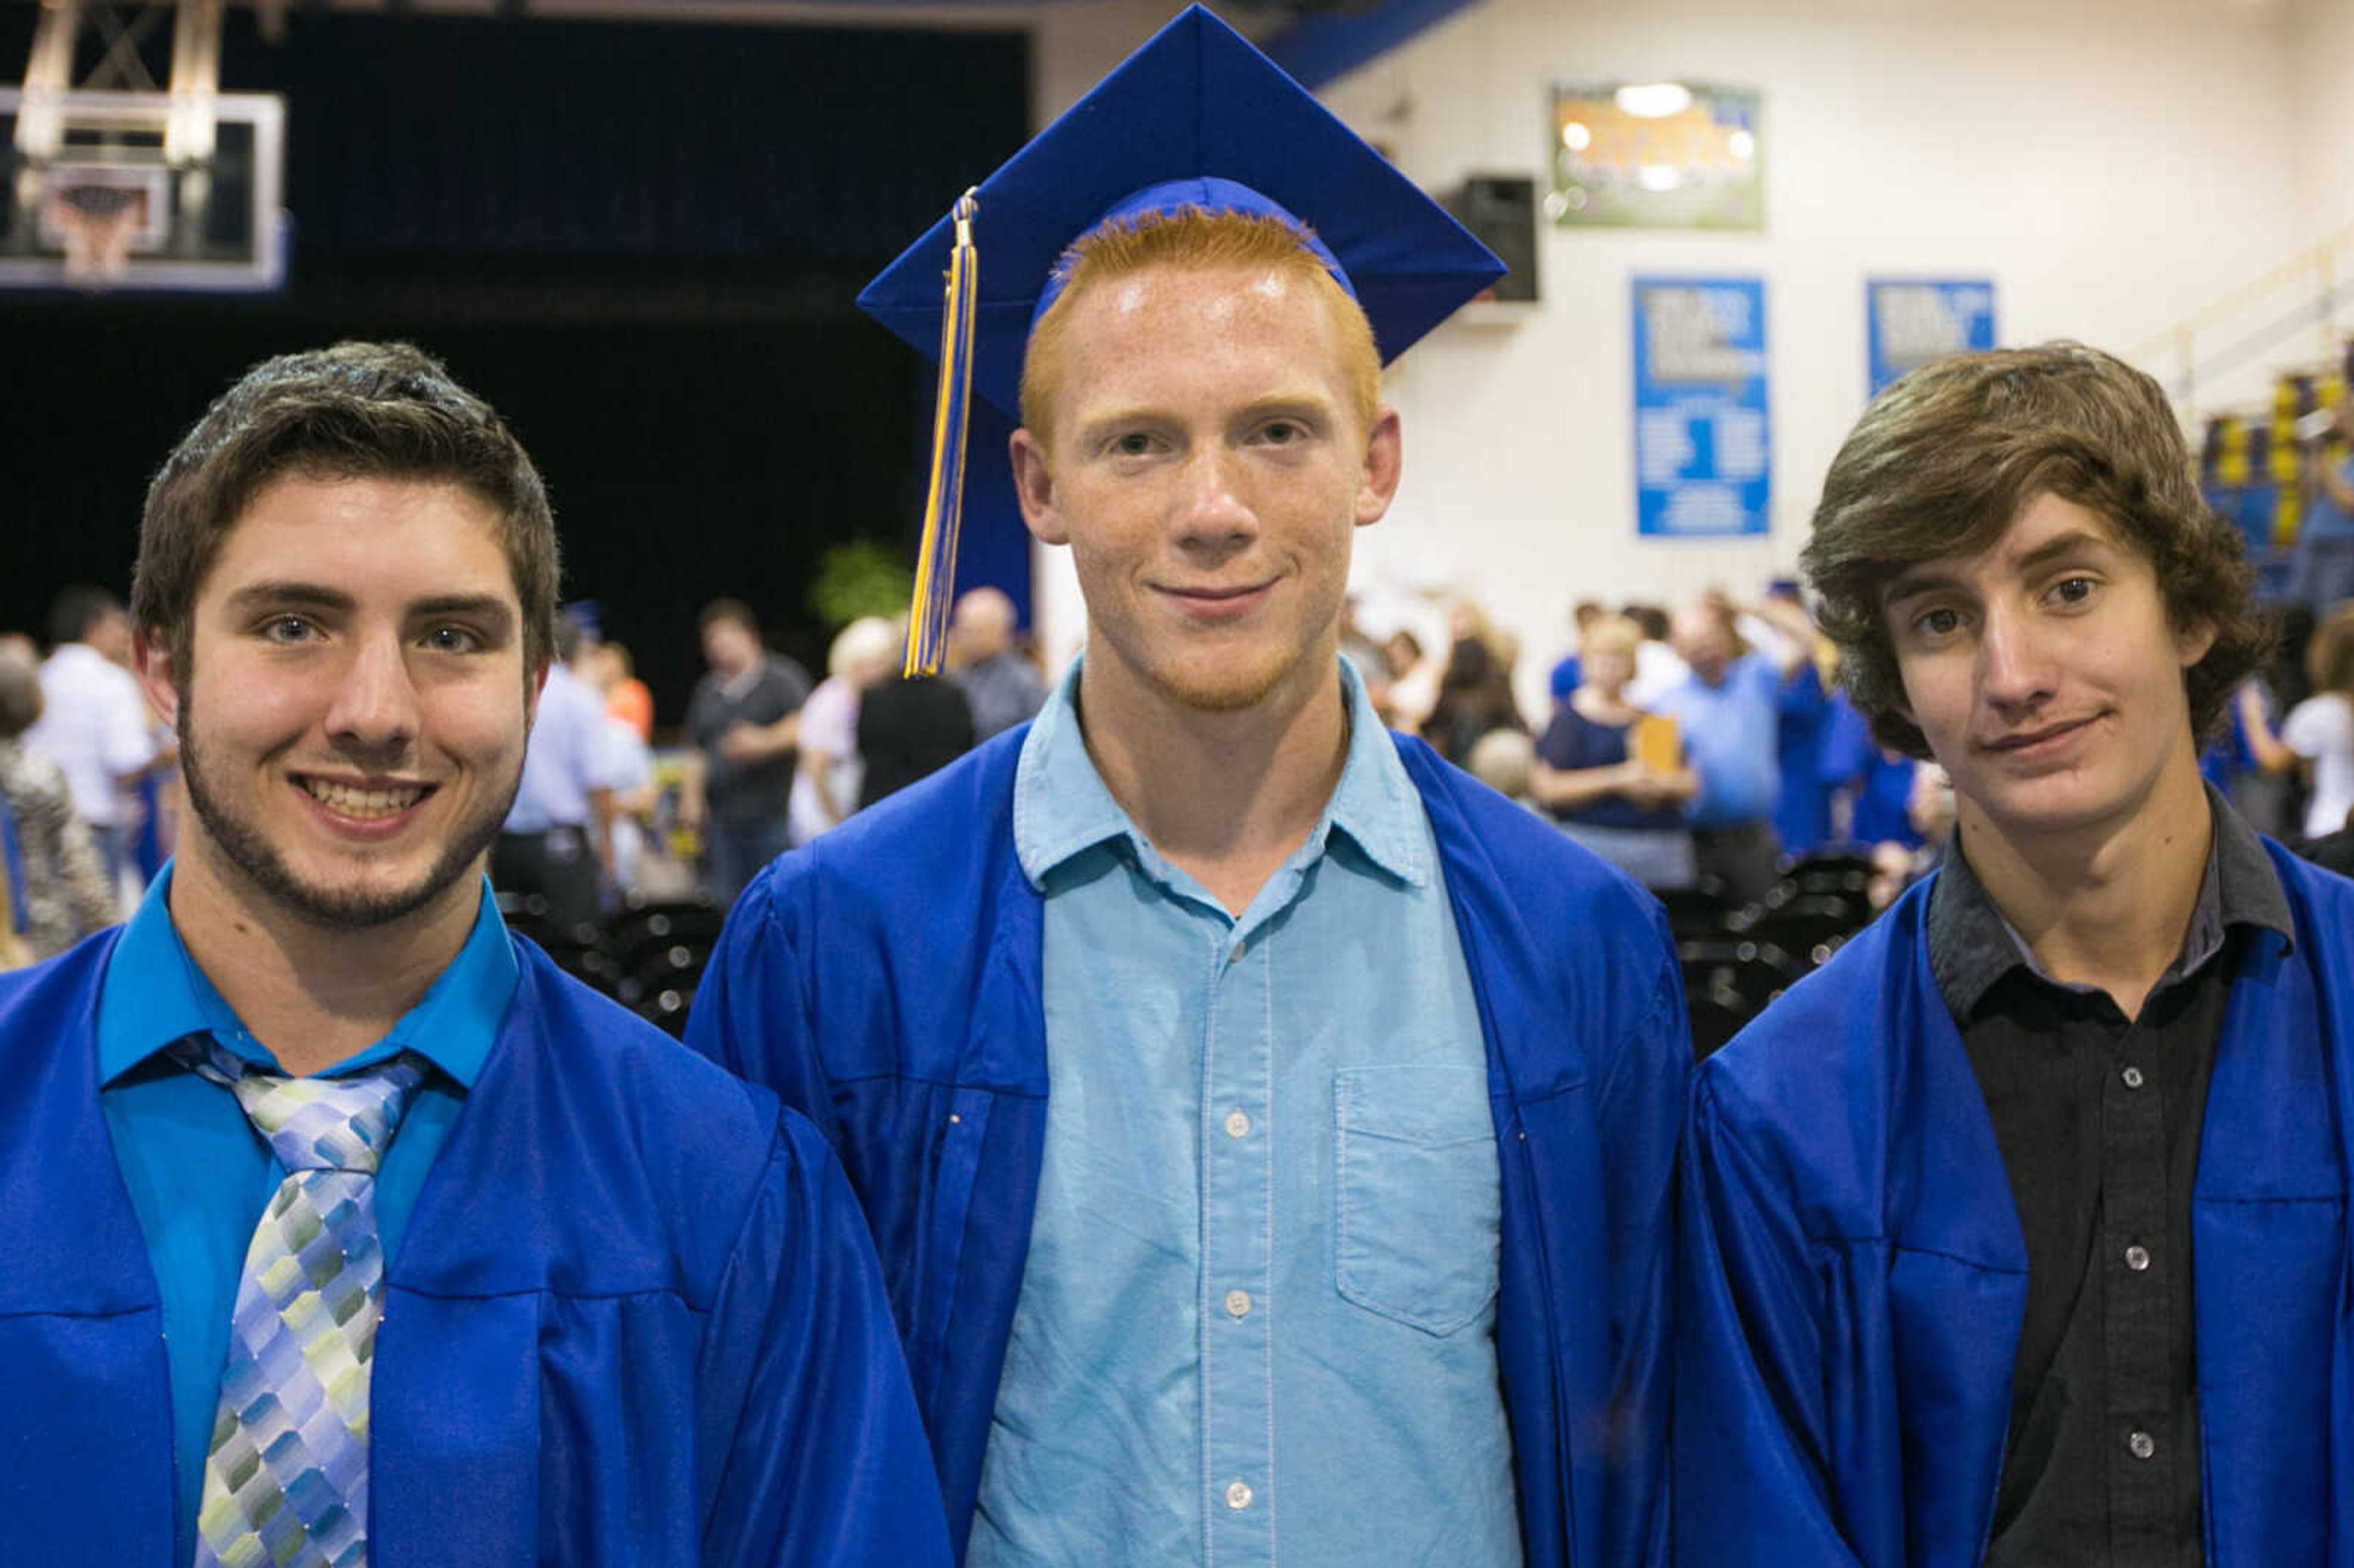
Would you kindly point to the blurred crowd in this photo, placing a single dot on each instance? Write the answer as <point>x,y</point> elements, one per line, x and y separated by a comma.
<point>1709,746</point>
<point>1703,747</point>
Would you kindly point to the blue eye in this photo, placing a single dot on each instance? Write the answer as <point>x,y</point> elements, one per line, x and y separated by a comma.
<point>452,639</point>
<point>286,629</point>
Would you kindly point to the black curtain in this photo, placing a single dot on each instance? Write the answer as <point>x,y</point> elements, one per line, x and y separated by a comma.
<point>641,241</point>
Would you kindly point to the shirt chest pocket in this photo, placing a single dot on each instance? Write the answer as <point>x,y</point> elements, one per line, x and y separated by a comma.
<point>1420,1208</point>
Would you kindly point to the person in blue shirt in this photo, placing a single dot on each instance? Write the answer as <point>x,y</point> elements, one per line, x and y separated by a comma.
<point>2325,564</point>
<point>1568,673</point>
<point>1269,1130</point>
<point>1729,711</point>
<point>1802,806</point>
<point>342,1226</point>
<point>558,839</point>
<point>2017,1233</point>
<point>1589,774</point>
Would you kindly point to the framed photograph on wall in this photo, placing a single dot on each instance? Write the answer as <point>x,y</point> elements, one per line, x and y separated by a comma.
<point>1658,154</point>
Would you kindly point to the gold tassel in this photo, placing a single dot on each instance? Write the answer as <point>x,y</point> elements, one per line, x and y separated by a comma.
<point>927,616</point>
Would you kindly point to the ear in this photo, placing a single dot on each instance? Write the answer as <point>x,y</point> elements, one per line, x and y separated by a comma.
<point>531,697</point>
<point>1384,461</point>
<point>2191,642</point>
<point>1034,487</point>
<point>151,662</point>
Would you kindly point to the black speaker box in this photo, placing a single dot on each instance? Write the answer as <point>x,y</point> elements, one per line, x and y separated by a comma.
<point>1501,211</point>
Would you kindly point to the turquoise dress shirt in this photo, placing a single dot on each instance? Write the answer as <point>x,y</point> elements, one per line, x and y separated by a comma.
<point>197,1173</point>
<point>1257,1319</point>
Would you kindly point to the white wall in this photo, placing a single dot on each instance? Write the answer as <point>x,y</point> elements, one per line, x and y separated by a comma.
<point>2113,165</point>
<point>2323,59</point>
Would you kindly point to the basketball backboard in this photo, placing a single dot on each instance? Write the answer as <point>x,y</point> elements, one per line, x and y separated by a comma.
<point>143,191</point>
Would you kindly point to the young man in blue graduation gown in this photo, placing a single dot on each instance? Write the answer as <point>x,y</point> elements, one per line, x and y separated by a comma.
<point>1268,1131</point>
<point>340,1228</point>
<point>2018,1232</point>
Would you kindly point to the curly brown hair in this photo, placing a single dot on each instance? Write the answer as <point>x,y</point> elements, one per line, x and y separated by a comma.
<point>358,410</point>
<point>1945,461</point>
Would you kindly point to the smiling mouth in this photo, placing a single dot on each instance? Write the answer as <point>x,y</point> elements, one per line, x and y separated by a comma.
<point>1216,594</point>
<point>363,804</point>
<point>2027,742</point>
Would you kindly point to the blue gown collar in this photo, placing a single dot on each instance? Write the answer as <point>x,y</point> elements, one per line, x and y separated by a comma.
<point>154,994</point>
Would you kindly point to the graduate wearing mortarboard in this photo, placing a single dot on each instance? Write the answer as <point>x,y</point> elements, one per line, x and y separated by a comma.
<point>1267,1130</point>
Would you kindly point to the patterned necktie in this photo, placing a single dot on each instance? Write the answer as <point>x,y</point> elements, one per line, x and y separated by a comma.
<point>286,1475</point>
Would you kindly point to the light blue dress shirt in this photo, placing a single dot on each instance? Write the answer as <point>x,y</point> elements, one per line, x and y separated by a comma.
<point>567,756</point>
<point>2324,518</point>
<point>199,1176</point>
<point>1732,736</point>
<point>1257,1321</point>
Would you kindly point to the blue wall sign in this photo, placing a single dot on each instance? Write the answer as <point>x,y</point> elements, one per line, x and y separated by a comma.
<point>1702,440</point>
<point>1912,320</point>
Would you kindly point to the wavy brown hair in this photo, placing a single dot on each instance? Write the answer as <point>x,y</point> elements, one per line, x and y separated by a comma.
<point>358,410</point>
<point>1945,461</point>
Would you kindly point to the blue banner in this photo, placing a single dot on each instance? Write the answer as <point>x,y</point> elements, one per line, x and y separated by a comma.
<point>1702,440</point>
<point>1912,320</point>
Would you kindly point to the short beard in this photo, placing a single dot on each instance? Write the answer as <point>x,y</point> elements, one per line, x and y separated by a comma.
<point>243,846</point>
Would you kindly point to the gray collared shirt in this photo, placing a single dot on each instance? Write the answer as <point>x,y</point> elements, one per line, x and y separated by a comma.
<point>2098,1118</point>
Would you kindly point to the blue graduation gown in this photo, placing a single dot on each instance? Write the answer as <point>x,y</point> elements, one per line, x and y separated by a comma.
<point>1855,1277</point>
<point>1802,811</point>
<point>634,1320</point>
<point>885,979</point>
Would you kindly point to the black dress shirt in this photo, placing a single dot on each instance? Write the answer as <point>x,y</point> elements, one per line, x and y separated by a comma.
<point>2098,1118</point>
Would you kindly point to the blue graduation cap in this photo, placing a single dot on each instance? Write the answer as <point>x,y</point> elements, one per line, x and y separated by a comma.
<point>1195,119</point>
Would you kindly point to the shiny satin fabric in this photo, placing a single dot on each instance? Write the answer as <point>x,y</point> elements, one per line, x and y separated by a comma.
<point>636,1319</point>
<point>886,980</point>
<point>1854,1275</point>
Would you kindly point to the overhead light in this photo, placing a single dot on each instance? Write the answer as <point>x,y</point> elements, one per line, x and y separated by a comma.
<point>1653,101</point>
<point>1741,144</point>
<point>1576,136</point>
<point>1659,176</point>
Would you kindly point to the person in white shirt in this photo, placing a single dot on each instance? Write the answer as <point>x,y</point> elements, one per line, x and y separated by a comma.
<point>94,723</point>
<point>2320,729</point>
<point>863,655</point>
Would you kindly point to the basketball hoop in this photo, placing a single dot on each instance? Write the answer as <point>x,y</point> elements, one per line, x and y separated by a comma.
<point>94,197</point>
<point>99,224</point>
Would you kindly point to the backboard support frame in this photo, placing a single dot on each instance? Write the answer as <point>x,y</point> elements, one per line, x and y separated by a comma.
<point>144,138</point>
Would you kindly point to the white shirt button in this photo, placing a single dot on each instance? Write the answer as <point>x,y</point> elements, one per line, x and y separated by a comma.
<point>2132,1076</point>
<point>2141,1445</point>
<point>1238,1497</point>
<point>1237,1303</point>
<point>2137,1258</point>
<point>1237,1124</point>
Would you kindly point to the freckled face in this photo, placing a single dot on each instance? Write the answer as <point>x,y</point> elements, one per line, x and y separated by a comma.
<point>2045,674</point>
<point>352,727</point>
<point>1207,469</point>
